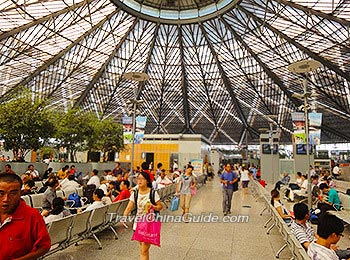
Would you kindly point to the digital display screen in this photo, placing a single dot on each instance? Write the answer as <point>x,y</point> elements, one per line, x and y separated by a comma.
<point>266,149</point>
<point>301,148</point>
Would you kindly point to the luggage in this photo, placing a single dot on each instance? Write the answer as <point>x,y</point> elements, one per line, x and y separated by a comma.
<point>174,204</point>
<point>88,191</point>
<point>74,198</point>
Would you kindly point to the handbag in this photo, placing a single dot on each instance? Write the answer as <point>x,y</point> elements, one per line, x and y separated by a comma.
<point>193,191</point>
<point>235,186</point>
<point>148,230</point>
<point>174,204</point>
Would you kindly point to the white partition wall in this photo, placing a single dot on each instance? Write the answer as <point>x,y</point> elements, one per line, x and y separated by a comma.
<point>301,163</point>
<point>269,158</point>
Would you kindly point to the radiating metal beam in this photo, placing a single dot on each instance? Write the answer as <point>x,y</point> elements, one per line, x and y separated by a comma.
<point>52,60</point>
<point>244,73</point>
<point>252,86</point>
<point>309,29</point>
<point>103,67</point>
<point>227,83</point>
<point>148,60</point>
<point>187,127</point>
<point>205,83</point>
<point>313,55</point>
<point>315,12</point>
<point>23,27</point>
<point>335,132</point>
<point>121,78</point>
<point>263,65</point>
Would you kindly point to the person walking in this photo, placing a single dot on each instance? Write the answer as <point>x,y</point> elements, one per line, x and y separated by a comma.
<point>143,201</point>
<point>245,180</point>
<point>184,186</point>
<point>228,179</point>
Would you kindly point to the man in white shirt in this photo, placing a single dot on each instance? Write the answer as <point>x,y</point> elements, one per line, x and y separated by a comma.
<point>176,177</point>
<point>330,230</point>
<point>94,178</point>
<point>175,165</point>
<point>304,232</point>
<point>69,183</point>
<point>98,195</point>
<point>336,171</point>
<point>162,180</point>
<point>303,189</point>
<point>34,173</point>
<point>312,171</point>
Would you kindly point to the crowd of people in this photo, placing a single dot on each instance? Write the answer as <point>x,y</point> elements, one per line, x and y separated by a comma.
<point>118,184</point>
<point>320,245</point>
<point>108,187</point>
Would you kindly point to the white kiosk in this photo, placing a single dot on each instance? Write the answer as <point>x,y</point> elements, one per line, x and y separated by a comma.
<point>269,157</point>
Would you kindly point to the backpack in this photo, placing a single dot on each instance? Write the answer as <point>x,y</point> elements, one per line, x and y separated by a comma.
<point>76,198</point>
<point>313,217</point>
<point>151,197</point>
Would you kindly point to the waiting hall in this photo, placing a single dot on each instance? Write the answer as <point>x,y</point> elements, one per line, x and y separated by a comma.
<point>203,240</point>
<point>118,110</point>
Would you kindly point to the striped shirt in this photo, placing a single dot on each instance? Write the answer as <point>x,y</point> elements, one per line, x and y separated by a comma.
<point>303,233</point>
<point>318,252</point>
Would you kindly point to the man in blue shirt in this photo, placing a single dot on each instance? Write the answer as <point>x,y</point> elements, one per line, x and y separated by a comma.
<point>228,178</point>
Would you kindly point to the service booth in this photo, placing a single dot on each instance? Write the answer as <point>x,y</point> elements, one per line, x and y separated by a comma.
<point>269,157</point>
<point>167,149</point>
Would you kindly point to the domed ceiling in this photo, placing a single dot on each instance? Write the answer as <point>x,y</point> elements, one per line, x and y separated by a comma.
<point>217,68</point>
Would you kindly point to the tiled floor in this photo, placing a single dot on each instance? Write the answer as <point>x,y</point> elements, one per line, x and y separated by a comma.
<point>195,240</point>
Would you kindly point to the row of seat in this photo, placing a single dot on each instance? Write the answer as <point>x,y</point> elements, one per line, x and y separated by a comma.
<point>36,200</point>
<point>74,228</point>
<point>167,193</point>
<point>81,226</point>
<point>297,250</point>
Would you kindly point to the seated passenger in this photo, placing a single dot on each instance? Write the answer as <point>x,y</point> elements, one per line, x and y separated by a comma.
<point>176,177</point>
<point>97,197</point>
<point>301,227</point>
<point>302,191</point>
<point>315,189</point>
<point>124,191</point>
<point>63,173</point>
<point>329,230</point>
<point>282,211</point>
<point>28,188</point>
<point>69,183</point>
<point>298,182</point>
<point>162,180</point>
<point>330,182</point>
<point>284,181</point>
<point>333,198</point>
<point>109,176</point>
<point>94,178</point>
<point>336,171</point>
<point>49,195</point>
<point>58,211</point>
<point>34,173</point>
<point>111,191</point>
<point>305,233</point>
